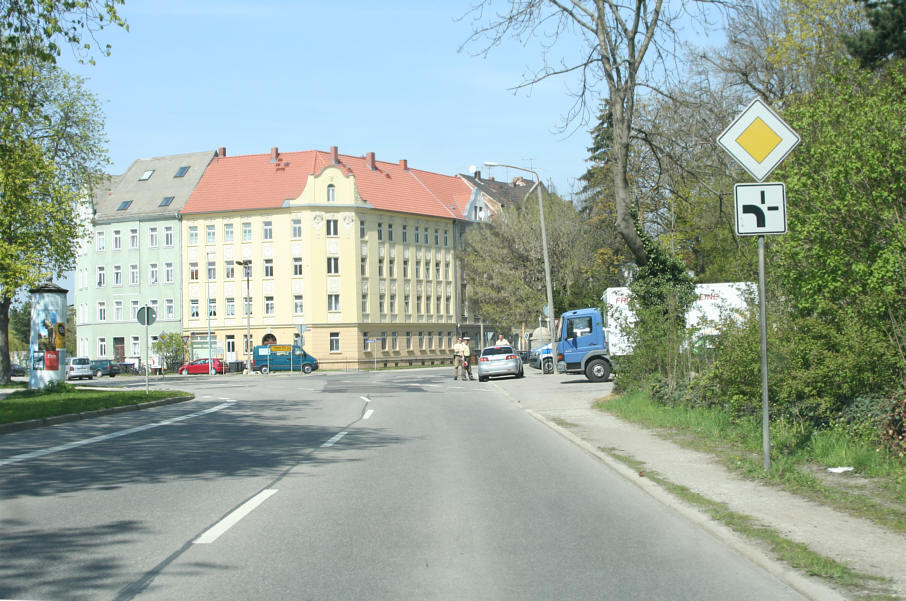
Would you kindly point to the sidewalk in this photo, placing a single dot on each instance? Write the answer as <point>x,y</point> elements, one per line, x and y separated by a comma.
<point>564,403</point>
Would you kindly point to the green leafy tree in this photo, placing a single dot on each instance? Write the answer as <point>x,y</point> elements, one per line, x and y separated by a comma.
<point>171,349</point>
<point>886,39</point>
<point>51,155</point>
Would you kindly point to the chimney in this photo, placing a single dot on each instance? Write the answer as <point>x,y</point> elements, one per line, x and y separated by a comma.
<point>477,175</point>
<point>221,152</point>
<point>369,160</point>
<point>404,164</point>
<point>274,153</point>
<point>334,155</point>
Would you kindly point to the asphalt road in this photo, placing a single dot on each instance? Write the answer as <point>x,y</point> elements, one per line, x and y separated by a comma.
<point>394,485</point>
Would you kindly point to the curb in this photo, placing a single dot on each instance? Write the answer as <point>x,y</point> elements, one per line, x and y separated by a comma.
<point>72,417</point>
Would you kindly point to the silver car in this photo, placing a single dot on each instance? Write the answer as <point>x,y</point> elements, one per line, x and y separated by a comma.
<point>78,368</point>
<point>499,361</point>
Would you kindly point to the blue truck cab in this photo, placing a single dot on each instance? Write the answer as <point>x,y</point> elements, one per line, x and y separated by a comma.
<point>582,345</point>
<point>282,357</point>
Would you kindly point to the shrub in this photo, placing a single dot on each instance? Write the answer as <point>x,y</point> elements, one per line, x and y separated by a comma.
<point>893,424</point>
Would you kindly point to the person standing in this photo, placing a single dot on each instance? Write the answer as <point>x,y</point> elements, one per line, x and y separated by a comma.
<point>501,341</point>
<point>458,354</point>
<point>467,359</point>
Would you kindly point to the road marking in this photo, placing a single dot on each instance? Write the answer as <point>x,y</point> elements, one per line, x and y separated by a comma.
<point>214,532</point>
<point>365,398</point>
<point>102,438</point>
<point>368,414</point>
<point>334,440</point>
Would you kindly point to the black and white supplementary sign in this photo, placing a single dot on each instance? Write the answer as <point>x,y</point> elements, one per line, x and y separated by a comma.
<point>760,209</point>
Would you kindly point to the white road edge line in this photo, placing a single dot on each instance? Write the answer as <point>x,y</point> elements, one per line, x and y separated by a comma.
<point>334,440</point>
<point>365,398</point>
<point>368,414</point>
<point>214,532</point>
<point>87,441</point>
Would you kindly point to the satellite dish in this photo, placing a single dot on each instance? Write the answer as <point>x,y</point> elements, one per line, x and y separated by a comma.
<point>473,169</point>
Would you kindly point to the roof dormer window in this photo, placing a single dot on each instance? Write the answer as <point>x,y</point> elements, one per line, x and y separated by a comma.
<point>182,171</point>
<point>166,201</point>
<point>146,175</point>
<point>124,205</point>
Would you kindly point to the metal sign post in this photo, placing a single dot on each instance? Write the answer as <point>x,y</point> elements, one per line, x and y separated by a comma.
<point>758,139</point>
<point>146,317</point>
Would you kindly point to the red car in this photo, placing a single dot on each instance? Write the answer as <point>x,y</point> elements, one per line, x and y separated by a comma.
<point>200,366</point>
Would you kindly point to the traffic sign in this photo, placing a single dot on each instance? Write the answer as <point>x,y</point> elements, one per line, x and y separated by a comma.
<point>758,139</point>
<point>147,316</point>
<point>760,209</point>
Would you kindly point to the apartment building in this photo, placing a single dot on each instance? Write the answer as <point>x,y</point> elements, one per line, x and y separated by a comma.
<point>133,257</point>
<point>357,255</point>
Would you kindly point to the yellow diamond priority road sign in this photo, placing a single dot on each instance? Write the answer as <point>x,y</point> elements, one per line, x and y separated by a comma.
<point>758,139</point>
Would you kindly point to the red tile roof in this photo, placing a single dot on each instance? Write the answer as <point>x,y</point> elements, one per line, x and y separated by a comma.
<point>261,181</point>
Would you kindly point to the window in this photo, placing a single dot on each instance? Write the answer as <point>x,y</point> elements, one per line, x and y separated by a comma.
<point>124,205</point>
<point>99,241</point>
<point>133,310</point>
<point>146,175</point>
<point>152,237</point>
<point>117,240</point>
<point>418,303</point>
<point>230,343</point>
<point>383,341</point>
<point>246,231</point>
<point>193,272</point>
<point>364,266</point>
<point>181,171</point>
<point>118,310</point>
<point>193,308</point>
<point>390,232</point>
<point>437,270</point>
<point>333,265</point>
<point>133,275</point>
<point>152,274</point>
<point>212,270</point>
<point>268,230</point>
<point>446,270</point>
<point>229,270</point>
<point>135,347</point>
<point>436,237</point>
<point>333,227</point>
<point>408,341</point>
<point>418,269</point>
<point>437,305</point>
<point>165,201</point>
<point>168,236</point>
<point>210,236</point>
<point>212,307</point>
<point>334,342</point>
<point>392,268</point>
<point>297,266</point>
<point>227,232</point>
<point>102,347</point>
<point>445,238</point>
<point>365,341</point>
<point>117,275</point>
<point>230,306</point>
<point>193,234</point>
<point>101,281</point>
<point>448,305</point>
<point>168,273</point>
<point>430,340</point>
<point>331,193</point>
<point>405,268</point>
<point>421,340</point>
<point>247,302</point>
<point>247,269</point>
<point>133,239</point>
<point>426,235</point>
<point>297,228</point>
<point>382,303</point>
<point>380,268</point>
<point>392,308</point>
<point>406,306</point>
<point>393,341</point>
<point>333,302</point>
<point>364,303</point>
<point>405,234</point>
<point>297,304</point>
<point>380,231</point>
<point>102,311</point>
<point>417,237</point>
<point>268,268</point>
<point>169,308</point>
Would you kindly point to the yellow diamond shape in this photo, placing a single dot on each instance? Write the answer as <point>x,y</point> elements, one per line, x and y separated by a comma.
<point>758,140</point>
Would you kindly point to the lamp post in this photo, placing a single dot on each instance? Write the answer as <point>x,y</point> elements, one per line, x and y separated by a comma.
<point>247,267</point>
<point>547,264</point>
<point>207,293</point>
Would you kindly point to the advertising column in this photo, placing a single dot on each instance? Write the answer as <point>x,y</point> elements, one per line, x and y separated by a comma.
<point>48,336</point>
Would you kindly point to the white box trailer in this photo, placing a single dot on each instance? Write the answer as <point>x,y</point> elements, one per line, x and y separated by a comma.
<point>715,303</point>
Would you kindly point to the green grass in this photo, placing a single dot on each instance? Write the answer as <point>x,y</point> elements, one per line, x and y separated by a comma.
<point>63,399</point>
<point>792,553</point>
<point>876,490</point>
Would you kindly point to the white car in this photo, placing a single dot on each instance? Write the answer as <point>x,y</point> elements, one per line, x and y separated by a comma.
<point>78,368</point>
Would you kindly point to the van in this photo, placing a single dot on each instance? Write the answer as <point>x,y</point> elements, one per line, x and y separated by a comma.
<point>78,368</point>
<point>282,357</point>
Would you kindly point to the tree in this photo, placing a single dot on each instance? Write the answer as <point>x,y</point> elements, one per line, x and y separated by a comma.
<point>32,28</point>
<point>616,38</point>
<point>887,37</point>
<point>51,155</point>
<point>171,349</point>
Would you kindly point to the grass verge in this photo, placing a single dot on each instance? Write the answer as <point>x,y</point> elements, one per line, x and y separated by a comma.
<point>62,399</point>
<point>863,586</point>
<point>875,490</point>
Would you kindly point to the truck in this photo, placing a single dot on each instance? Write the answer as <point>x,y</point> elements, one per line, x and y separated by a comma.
<point>282,357</point>
<point>582,345</point>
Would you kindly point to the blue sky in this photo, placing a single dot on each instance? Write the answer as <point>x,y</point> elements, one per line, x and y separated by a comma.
<point>383,77</point>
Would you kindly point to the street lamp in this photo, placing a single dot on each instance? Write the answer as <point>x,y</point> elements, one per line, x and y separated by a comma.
<point>547,264</point>
<point>247,268</point>
<point>210,258</point>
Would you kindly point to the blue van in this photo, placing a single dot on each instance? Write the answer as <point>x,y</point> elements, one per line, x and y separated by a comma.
<point>282,357</point>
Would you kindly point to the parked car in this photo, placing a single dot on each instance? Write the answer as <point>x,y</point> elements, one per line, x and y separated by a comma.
<point>16,370</point>
<point>200,366</point>
<point>78,368</point>
<point>499,361</point>
<point>104,367</point>
<point>542,352</point>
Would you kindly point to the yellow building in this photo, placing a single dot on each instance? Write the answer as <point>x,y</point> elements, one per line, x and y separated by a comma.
<point>360,252</point>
